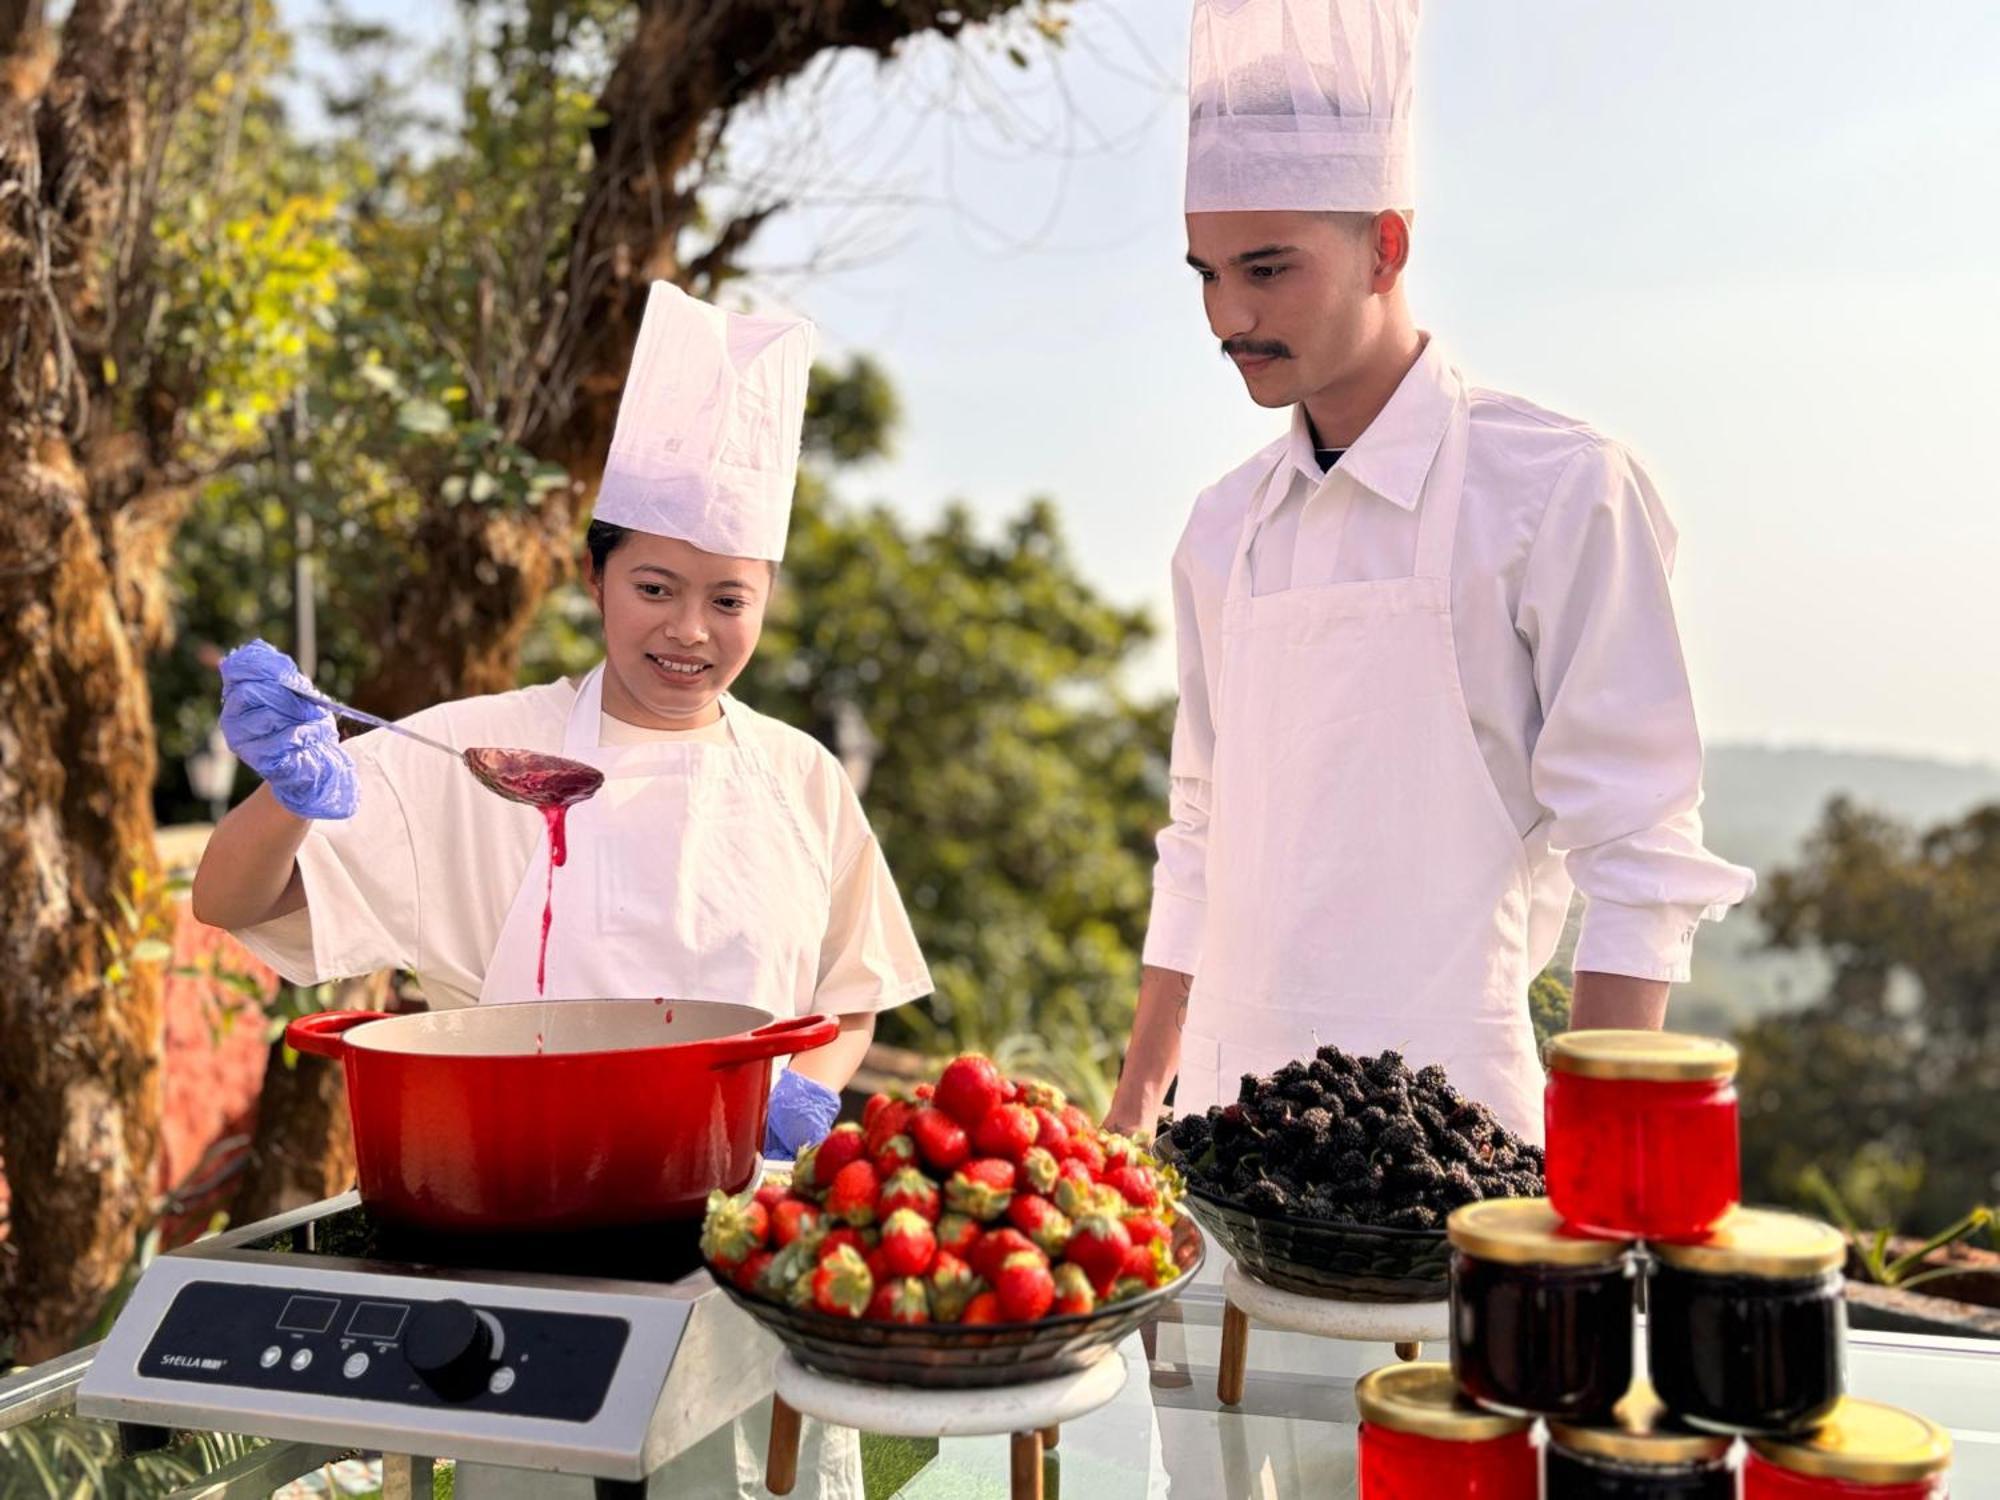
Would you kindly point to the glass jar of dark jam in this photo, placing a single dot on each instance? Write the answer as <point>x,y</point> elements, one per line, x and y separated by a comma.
<point>1639,1454</point>
<point>1541,1318</point>
<point>1746,1331</point>
<point>1642,1133</point>
<point>1862,1451</point>
<point>1421,1440</point>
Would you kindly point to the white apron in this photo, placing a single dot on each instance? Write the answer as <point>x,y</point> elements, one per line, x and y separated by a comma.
<point>1366,886</point>
<point>689,876</point>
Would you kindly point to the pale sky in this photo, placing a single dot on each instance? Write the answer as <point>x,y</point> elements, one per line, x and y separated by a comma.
<point>1754,241</point>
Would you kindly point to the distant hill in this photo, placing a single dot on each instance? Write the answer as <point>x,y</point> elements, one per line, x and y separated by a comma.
<point>1761,803</point>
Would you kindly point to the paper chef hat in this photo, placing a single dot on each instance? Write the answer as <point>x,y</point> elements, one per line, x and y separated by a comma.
<point>1300,104</point>
<point>707,443</point>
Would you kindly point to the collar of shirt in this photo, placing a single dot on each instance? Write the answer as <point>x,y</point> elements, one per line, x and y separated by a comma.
<point>1393,456</point>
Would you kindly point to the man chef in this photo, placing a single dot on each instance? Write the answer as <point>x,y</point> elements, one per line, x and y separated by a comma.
<point>1430,680</point>
<point>725,858</point>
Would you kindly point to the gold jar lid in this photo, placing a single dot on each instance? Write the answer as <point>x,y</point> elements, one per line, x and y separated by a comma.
<point>1644,1056</point>
<point>1640,1432</point>
<point>1866,1442</point>
<point>1423,1399</point>
<point>1526,1232</point>
<point>1761,1242</point>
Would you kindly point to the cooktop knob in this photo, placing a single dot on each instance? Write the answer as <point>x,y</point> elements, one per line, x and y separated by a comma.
<point>450,1347</point>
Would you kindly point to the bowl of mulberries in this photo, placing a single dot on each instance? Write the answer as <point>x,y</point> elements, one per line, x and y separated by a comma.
<point>1333,1176</point>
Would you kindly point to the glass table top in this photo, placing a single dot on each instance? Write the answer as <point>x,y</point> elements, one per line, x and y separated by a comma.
<point>1164,1435</point>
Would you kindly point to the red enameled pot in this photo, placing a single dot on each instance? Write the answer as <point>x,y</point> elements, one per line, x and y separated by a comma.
<point>570,1114</point>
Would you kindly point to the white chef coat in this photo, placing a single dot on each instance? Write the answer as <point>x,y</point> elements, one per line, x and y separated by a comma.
<point>1567,649</point>
<point>424,873</point>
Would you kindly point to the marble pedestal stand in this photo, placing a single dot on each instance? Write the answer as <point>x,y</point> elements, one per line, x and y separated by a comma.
<point>1405,1324</point>
<point>1031,1415</point>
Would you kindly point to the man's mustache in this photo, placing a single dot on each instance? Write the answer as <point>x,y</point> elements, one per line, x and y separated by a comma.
<point>1256,348</point>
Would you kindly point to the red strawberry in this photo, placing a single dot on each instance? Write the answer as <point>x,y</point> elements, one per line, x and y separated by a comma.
<point>968,1088</point>
<point>1050,1132</point>
<point>833,1239</point>
<point>910,1189</point>
<point>1038,1172</point>
<point>981,1188</point>
<point>952,1285</point>
<point>889,1122</point>
<point>843,1145</point>
<point>1007,1131</point>
<point>842,1286</point>
<point>1099,1244</point>
<point>1124,1289</point>
<point>791,1219</point>
<point>902,1300</point>
<point>1144,1228</point>
<point>734,1227</point>
<point>985,1308</point>
<point>1079,1124</point>
<point>852,1198</point>
<point>924,1091</point>
<point>957,1233</point>
<point>745,1276</point>
<point>1075,1169</point>
<point>1025,1288</point>
<point>1073,1290</point>
<point>875,1105</point>
<point>898,1152</point>
<point>1085,1149</point>
<point>1010,1091</point>
<point>1139,1265</point>
<point>878,1305</point>
<point>1136,1184</point>
<point>1079,1200</point>
<point>995,1246</point>
<point>941,1140</point>
<point>908,1243</point>
<point>878,1266</point>
<point>1038,1095</point>
<point>1041,1221</point>
<point>771,1194</point>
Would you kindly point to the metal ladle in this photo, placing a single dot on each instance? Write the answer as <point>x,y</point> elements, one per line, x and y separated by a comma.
<point>527,776</point>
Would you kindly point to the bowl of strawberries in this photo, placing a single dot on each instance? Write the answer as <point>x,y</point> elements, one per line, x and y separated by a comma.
<point>982,1231</point>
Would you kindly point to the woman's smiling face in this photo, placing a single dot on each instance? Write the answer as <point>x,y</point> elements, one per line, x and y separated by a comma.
<point>679,627</point>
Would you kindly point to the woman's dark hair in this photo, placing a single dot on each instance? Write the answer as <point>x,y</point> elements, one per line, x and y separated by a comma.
<point>603,539</point>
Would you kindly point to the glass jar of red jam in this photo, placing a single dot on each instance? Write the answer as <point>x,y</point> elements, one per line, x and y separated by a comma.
<point>1862,1451</point>
<point>1642,1136</point>
<point>1541,1317</point>
<point>1639,1454</point>
<point>1746,1331</point>
<point>1421,1440</point>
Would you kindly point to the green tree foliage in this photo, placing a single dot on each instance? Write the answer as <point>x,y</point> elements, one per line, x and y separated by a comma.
<point>1887,1083</point>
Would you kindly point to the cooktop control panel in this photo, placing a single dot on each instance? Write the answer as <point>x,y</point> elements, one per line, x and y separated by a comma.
<point>521,1361</point>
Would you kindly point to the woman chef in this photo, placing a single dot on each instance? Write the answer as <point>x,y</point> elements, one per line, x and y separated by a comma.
<point>725,858</point>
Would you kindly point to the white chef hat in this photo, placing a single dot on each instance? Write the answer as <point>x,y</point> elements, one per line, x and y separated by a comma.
<point>1300,104</point>
<point>707,443</point>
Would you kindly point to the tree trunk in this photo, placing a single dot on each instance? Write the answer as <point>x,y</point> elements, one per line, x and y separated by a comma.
<point>80,1019</point>
<point>302,1149</point>
<point>688,66</point>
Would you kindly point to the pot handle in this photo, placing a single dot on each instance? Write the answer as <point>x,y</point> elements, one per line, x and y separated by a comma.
<point>321,1033</point>
<point>779,1039</point>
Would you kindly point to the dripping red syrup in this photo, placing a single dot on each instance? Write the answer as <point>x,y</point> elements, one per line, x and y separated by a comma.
<point>554,785</point>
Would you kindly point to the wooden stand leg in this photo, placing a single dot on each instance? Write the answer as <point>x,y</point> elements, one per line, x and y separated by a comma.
<point>1050,1437</point>
<point>1235,1354</point>
<point>405,1478</point>
<point>1027,1450</point>
<point>1409,1351</point>
<point>781,1462</point>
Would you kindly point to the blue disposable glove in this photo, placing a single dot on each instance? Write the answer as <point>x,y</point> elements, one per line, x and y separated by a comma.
<point>802,1112</point>
<point>290,742</point>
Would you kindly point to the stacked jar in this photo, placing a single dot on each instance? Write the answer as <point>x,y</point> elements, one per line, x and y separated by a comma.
<point>1746,1319</point>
